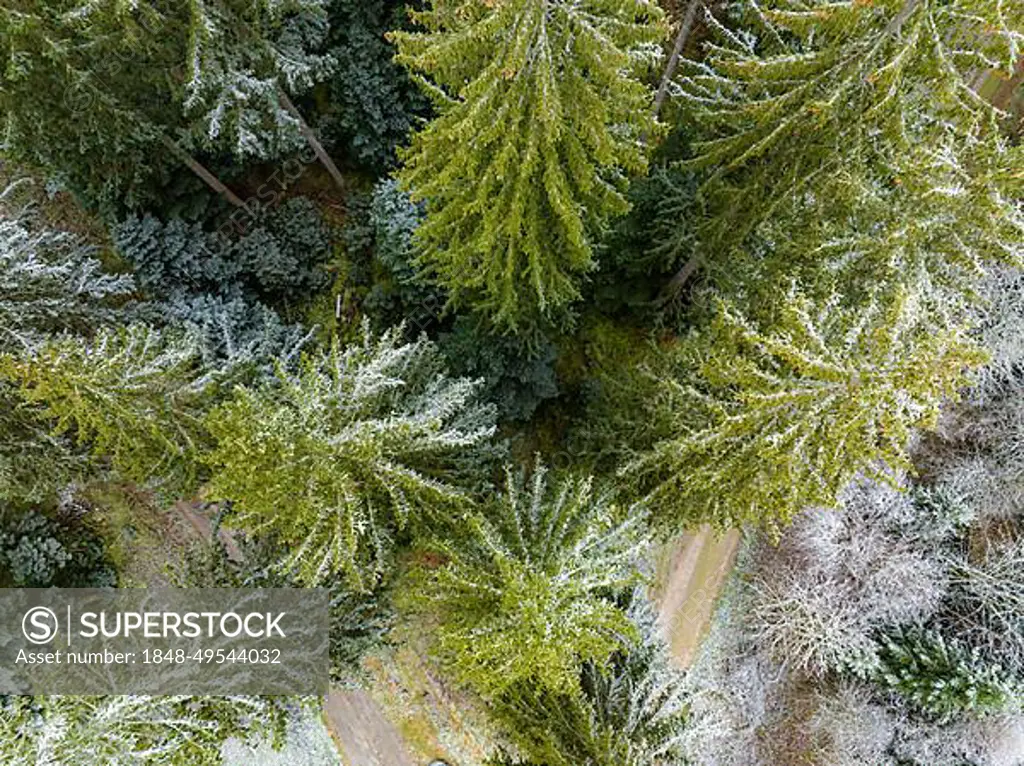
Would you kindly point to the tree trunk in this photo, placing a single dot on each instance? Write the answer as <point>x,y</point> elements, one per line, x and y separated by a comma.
<point>677,50</point>
<point>313,141</point>
<point>211,180</point>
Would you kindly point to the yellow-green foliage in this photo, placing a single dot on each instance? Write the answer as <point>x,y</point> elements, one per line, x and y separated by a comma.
<point>540,119</point>
<point>523,593</point>
<point>769,422</point>
<point>129,396</point>
<point>335,458</point>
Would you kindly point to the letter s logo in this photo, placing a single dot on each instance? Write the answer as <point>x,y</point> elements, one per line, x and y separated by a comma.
<point>39,625</point>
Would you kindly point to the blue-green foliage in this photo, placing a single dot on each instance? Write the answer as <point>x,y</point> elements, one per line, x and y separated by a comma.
<point>939,676</point>
<point>374,105</point>
<point>37,552</point>
<point>516,378</point>
<point>279,252</point>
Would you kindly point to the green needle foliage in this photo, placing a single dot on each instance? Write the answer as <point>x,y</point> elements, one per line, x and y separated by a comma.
<point>939,677</point>
<point>523,594</point>
<point>845,141</point>
<point>768,422</point>
<point>129,396</point>
<point>334,459</point>
<point>541,117</point>
<point>133,730</point>
<point>630,713</point>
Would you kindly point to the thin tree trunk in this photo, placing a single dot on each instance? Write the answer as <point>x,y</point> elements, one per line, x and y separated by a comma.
<point>677,50</point>
<point>680,278</point>
<point>211,180</point>
<point>313,141</point>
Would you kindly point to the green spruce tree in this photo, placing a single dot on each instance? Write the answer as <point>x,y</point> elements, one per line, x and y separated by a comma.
<point>524,593</point>
<point>336,458</point>
<point>541,119</point>
<point>766,422</point>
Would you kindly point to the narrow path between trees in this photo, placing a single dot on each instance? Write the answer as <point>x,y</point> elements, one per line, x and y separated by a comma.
<point>363,735</point>
<point>691,573</point>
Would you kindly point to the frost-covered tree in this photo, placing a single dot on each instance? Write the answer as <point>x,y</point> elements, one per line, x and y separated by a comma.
<point>631,712</point>
<point>244,57</point>
<point>51,282</point>
<point>939,676</point>
<point>766,422</point>
<point>335,458</point>
<point>131,730</point>
<point>850,137</point>
<point>541,118</point>
<point>522,594</point>
<point>128,396</point>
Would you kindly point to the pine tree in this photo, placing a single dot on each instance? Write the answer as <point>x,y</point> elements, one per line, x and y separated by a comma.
<point>334,459</point>
<point>132,730</point>
<point>766,422</point>
<point>130,397</point>
<point>522,594</point>
<point>541,117</point>
<point>848,137</point>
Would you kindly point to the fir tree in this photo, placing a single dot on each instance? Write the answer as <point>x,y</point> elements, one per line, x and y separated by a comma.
<point>335,458</point>
<point>768,422</point>
<point>522,594</point>
<point>541,118</point>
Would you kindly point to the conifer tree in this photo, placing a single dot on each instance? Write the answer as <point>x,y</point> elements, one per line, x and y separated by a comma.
<point>940,677</point>
<point>129,396</point>
<point>766,422</point>
<point>630,713</point>
<point>131,730</point>
<point>854,133</point>
<point>541,119</point>
<point>523,593</point>
<point>50,282</point>
<point>335,458</point>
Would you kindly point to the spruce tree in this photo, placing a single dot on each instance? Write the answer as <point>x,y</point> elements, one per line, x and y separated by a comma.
<point>335,458</point>
<point>132,730</point>
<point>541,119</point>
<point>523,593</point>
<point>768,421</point>
<point>631,713</point>
<point>848,138</point>
<point>129,397</point>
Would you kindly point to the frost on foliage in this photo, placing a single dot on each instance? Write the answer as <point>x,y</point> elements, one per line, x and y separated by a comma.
<point>127,396</point>
<point>523,596</point>
<point>357,443</point>
<point>242,53</point>
<point>839,576</point>
<point>768,422</point>
<point>50,282</point>
<point>132,730</point>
